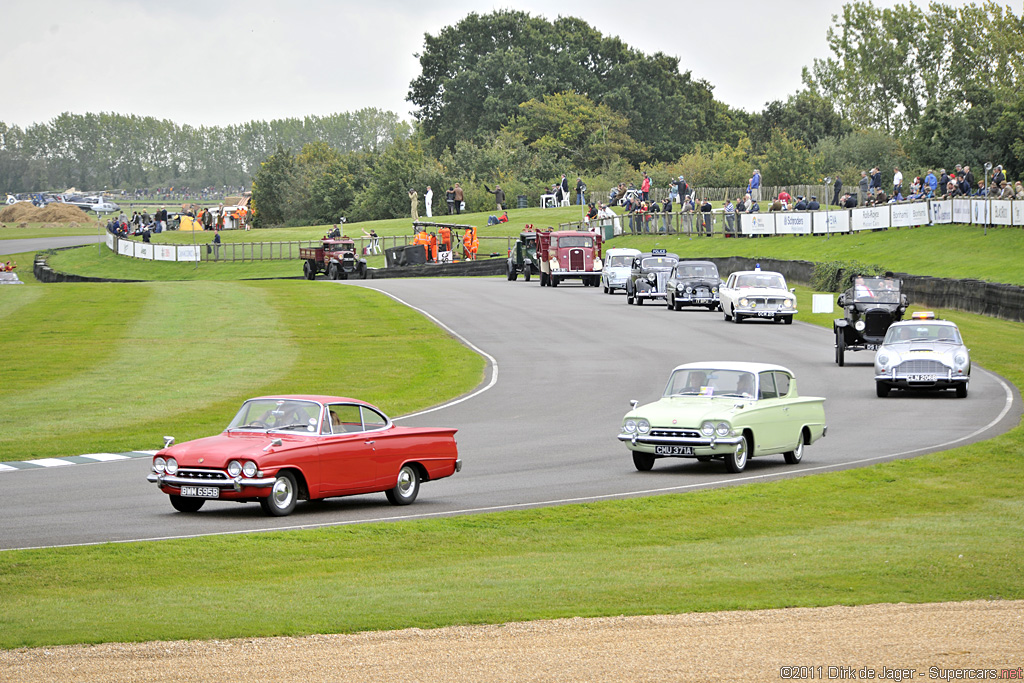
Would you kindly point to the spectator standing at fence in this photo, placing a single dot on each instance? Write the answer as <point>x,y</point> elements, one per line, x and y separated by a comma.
<point>897,181</point>
<point>730,218</point>
<point>687,211</point>
<point>876,179</point>
<point>969,178</point>
<point>645,187</point>
<point>801,204</point>
<point>838,187</point>
<point>813,205</point>
<point>414,200</point>
<point>682,189</point>
<point>581,190</point>
<point>428,202</point>
<point>707,216</point>
<point>754,186</point>
<point>998,177</point>
<point>1018,190</point>
<point>862,187</point>
<point>449,198</point>
<point>459,197</point>
<point>752,205</point>
<point>930,180</point>
<point>216,245</point>
<point>666,214</point>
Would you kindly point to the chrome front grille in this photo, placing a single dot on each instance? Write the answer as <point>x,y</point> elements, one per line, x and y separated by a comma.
<point>921,367</point>
<point>692,433</point>
<point>662,276</point>
<point>202,474</point>
<point>764,301</point>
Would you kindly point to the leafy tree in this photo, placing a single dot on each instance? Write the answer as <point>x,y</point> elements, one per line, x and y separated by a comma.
<point>273,188</point>
<point>805,116</point>
<point>859,151</point>
<point>786,161</point>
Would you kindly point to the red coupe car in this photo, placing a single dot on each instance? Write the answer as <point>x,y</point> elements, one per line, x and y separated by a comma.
<point>282,449</point>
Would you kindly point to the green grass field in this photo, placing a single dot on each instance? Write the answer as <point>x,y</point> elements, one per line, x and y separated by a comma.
<point>947,526</point>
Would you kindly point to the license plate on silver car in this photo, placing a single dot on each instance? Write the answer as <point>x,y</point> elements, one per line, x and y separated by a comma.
<point>920,378</point>
<point>200,492</point>
<point>766,314</point>
<point>673,450</point>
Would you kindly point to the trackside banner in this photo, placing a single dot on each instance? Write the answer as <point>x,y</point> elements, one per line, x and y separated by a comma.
<point>870,217</point>
<point>757,223</point>
<point>165,252</point>
<point>795,223</point>
<point>942,211</point>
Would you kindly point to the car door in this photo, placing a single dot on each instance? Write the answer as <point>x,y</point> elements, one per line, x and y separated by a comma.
<point>726,293</point>
<point>347,461</point>
<point>769,418</point>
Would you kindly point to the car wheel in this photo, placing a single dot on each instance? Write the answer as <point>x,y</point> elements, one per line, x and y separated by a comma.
<point>787,319</point>
<point>639,301</point>
<point>725,314</point>
<point>881,390</point>
<point>961,390</point>
<point>553,281</point>
<point>526,274</point>
<point>307,271</point>
<point>283,496</point>
<point>604,288</point>
<point>644,462</point>
<point>736,461</point>
<point>629,297</point>
<point>407,488</point>
<point>735,316</point>
<point>840,348</point>
<point>182,504</point>
<point>794,456</point>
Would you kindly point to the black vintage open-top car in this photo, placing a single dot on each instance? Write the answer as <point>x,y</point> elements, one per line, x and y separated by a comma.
<point>870,306</point>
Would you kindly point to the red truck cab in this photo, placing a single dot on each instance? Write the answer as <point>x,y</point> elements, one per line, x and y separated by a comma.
<point>565,254</point>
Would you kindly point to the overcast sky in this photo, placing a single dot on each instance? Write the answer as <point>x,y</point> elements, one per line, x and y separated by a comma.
<point>218,62</point>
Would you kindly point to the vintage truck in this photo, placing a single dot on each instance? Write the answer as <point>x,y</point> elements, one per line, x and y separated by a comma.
<point>522,257</point>
<point>336,257</point>
<point>565,254</point>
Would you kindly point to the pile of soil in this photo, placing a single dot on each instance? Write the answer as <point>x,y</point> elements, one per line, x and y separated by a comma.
<point>24,212</point>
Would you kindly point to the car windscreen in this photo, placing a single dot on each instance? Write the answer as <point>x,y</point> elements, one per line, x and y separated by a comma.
<point>706,272</point>
<point>575,241</point>
<point>277,413</point>
<point>711,382</point>
<point>923,332</point>
<point>878,290</point>
<point>619,261</point>
<point>766,280</point>
<point>658,262</point>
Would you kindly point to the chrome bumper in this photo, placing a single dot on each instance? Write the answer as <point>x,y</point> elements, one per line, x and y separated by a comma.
<point>238,483</point>
<point>707,442</point>
<point>458,465</point>
<point>764,312</point>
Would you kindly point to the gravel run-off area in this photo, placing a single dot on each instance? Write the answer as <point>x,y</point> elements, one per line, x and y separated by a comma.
<point>979,640</point>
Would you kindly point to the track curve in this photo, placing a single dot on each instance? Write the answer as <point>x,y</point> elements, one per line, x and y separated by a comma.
<point>568,360</point>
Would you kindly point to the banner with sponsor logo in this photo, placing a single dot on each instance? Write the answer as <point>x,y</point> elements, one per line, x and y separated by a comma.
<point>757,223</point>
<point>110,241</point>
<point>1001,212</point>
<point>1017,213</point>
<point>907,215</point>
<point>942,211</point>
<point>870,217</point>
<point>831,221</point>
<point>188,253</point>
<point>143,250</point>
<point>125,247</point>
<point>165,252</point>
<point>979,212</point>
<point>793,223</point>
<point>961,210</point>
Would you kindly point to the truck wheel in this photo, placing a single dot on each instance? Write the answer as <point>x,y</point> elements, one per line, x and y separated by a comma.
<point>362,270</point>
<point>840,347</point>
<point>644,462</point>
<point>553,282</point>
<point>332,272</point>
<point>308,270</point>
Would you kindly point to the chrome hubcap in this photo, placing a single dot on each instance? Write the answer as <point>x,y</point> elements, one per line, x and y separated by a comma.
<point>741,454</point>
<point>282,493</point>
<point>405,482</point>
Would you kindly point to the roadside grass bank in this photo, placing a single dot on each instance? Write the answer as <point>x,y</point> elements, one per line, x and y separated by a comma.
<point>941,527</point>
<point>106,367</point>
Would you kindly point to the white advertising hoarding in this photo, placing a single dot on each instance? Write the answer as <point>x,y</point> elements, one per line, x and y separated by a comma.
<point>1017,213</point>
<point>143,250</point>
<point>1001,212</point>
<point>831,221</point>
<point>870,217</point>
<point>908,215</point>
<point>126,248</point>
<point>979,211</point>
<point>961,210</point>
<point>110,241</point>
<point>165,252</point>
<point>942,211</point>
<point>189,253</point>
<point>757,224</point>
<point>793,223</point>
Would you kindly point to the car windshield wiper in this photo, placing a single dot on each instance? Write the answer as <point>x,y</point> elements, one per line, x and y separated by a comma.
<point>298,425</point>
<point>252,425</point>
<point>921,339</point>
<point>694,392</point>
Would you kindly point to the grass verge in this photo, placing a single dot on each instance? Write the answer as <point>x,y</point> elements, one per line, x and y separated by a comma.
<point>946,526</point>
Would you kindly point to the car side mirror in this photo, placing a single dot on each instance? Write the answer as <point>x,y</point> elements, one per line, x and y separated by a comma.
<point>168,441</point>
<point>633,403</point>
<point>792,290</point>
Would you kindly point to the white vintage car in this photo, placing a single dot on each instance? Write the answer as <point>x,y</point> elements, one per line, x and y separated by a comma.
<point>922,354</point>
<point>757,294</point>
<point>617,263</point>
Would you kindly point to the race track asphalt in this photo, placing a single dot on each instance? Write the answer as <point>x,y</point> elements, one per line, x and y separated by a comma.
<point>38,244</point>
<point>568,360</point>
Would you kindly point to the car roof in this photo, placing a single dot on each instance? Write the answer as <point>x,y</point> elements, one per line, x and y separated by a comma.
<point>697,263</point>
<point>318,398</point>
<point>757,272</point>
<point>742,366</point>
<point>622,251</point>
<point>924,321</point>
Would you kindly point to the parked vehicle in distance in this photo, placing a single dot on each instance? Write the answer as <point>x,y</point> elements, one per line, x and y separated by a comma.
<point>870,306</point>
<point>282,449</point>
<point>693,283</point>
<point>757,294</point>
<point>649,275</point>
<point>922,354</point>
<point>522,257</point>
<point>336,257</point>
<point>569,254</point>
<point>730,411</point>
<point>617,264</point>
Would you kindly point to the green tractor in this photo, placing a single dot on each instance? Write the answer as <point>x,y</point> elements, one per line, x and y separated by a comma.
<point>522,257</point>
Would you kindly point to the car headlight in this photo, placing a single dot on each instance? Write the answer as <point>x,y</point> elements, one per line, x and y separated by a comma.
<point>714,290</point>
<point>723,429</point>
<point>159,464</point>
<point>234,468</point>
<point>643,426</point>
<point>688,290</point>
<point>249,469</point>
<point>172,466</point>
<point>679,288</point>
<point>744,303</point>
<point>629,426</point>
<point>651,277</point>
<point>787,303</point>
<point>859,325</point>
<point>882,359</point>
<point>707,428</point>
<point>960,359</point>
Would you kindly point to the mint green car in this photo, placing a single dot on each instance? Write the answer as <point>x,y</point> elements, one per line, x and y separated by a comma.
<point>730,411</point>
